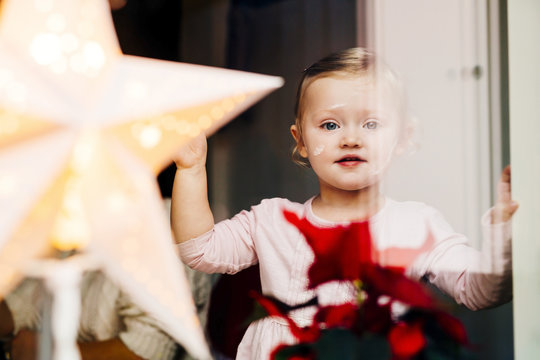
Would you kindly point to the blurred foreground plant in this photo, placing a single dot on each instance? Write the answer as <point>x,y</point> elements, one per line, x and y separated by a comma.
<point>365,328</point>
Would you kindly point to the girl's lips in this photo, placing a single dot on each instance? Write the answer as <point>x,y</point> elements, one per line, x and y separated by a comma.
<point>350,161</point>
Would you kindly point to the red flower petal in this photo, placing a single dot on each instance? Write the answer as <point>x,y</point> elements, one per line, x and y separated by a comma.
<point>340,252</point>
<point>344,315</point>
<point>306,334</point>
<point>376,318</point>
<point>393,283</point>
<point>406,339</point>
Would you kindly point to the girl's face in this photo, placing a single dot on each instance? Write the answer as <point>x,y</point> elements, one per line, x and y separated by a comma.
<point>350,130</point>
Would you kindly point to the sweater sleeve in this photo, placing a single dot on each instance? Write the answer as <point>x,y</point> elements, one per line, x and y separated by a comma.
<point>228,248</point>
<point>25,304</point>
<point>142,334</point>
<point>476,279</point>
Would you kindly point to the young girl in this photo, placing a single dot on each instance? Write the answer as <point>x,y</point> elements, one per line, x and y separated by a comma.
<point>349,124</point>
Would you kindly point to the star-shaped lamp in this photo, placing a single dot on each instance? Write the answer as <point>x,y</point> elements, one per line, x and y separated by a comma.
<point>83,132</point>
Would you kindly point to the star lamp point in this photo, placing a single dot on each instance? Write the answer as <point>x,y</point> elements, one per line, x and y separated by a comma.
<point>97,126</point>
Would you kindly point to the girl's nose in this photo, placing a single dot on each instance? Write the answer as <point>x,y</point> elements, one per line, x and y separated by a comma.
<point>351,139</point>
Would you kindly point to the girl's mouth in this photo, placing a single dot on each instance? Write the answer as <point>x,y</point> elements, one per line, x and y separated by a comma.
<point>350,161</point>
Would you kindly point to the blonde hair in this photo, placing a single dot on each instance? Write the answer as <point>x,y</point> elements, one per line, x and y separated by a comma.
<point>355,62</point>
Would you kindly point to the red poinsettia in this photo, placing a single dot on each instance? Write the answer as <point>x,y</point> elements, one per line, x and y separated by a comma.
<point>347,253</point>
<point>366,327</point>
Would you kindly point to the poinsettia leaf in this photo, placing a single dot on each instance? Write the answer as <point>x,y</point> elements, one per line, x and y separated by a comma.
<point>446,351</point>
<point>345,315</point>
<point>280,306</point>
<point>277,308</point>
<point>258,313</point>
<point>399,287</point>
<point>337,344</point>
<point>293,352</point>
<point>273,306</point>
<point>374,347</point>
<point>434,354</point>
<point>452,326</point>
<point>342,344</point>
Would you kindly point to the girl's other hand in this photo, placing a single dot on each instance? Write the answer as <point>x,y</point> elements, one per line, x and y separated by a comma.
<point>193,154</point>
<point>505,206</point>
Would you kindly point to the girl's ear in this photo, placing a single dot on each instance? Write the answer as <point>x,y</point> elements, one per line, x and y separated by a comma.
<point>301,148</point>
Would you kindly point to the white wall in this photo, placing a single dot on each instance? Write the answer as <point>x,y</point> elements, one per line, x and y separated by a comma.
<point>435,46</point>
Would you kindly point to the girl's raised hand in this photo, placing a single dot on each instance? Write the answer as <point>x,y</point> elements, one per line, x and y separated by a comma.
<point>505,206</point>
<point>193,154</point>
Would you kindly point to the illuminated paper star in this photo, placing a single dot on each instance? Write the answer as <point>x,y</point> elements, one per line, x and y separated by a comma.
<point>83,132</point>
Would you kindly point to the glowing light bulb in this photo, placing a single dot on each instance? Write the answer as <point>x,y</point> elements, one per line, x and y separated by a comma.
<point>150,136</point>
<point>46,48</point>
<point>94,56</point>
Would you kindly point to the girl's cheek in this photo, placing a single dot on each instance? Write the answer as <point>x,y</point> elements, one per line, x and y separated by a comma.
<point>318,150</point>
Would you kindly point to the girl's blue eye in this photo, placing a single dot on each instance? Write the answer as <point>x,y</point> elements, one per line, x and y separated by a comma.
<point>330,126</point>
<point>371,125</point>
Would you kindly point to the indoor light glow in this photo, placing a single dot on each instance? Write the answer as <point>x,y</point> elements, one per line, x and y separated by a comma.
<point>46,48</point>
<point>99,126</point>
<point>149,136</point>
